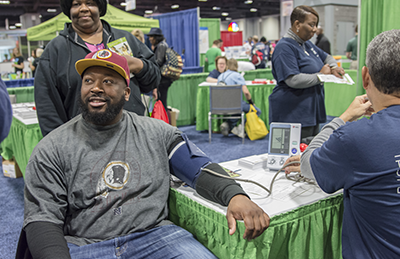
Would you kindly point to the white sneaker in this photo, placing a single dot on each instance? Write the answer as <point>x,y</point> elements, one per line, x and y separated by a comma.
<point>238,131</point>
<point>224,127</point>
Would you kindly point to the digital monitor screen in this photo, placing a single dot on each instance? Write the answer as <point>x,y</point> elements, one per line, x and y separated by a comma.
<point>280,141</point>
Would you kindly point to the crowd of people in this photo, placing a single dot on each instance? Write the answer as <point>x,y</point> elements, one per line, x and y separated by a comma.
<point>98,181</point>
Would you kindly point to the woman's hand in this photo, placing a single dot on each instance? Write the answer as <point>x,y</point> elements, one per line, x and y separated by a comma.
<point>155,94</point>
<point>325,70</point>
<point>338,72</point>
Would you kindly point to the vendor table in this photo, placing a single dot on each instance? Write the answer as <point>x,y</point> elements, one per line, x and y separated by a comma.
<point>259,94</point>
<point>183,93</point>
<point>305,222</point>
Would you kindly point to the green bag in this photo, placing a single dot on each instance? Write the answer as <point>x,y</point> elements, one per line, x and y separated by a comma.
<point>255,127</point>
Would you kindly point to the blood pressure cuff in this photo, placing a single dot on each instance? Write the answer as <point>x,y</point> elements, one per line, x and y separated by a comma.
<point>186,161</point>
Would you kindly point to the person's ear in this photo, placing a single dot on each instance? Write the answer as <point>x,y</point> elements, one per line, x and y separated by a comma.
<point>296,25</point>
<point>366,78</point>
<point>127,93</point>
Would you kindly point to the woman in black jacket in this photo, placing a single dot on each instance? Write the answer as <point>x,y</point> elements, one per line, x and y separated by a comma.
<point>159,46</point>
<point>58,85</point>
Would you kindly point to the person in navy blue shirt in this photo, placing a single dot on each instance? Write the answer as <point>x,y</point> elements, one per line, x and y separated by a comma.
<point>298,96</point>
<point>220,62</point>
<point>5,111</point>
<point>363,157</point>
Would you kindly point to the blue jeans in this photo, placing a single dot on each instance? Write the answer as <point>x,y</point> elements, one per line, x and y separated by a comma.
<point>246,108</point>
<point>168,241</point>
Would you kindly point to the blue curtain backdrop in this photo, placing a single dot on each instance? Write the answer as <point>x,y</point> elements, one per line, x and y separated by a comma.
<point>181,30</point>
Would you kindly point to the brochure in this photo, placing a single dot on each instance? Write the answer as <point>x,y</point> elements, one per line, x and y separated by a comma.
<point>120,46</point>
<point>333,79</point>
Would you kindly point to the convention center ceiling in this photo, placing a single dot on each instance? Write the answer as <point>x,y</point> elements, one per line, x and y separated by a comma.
<point>224,9</point>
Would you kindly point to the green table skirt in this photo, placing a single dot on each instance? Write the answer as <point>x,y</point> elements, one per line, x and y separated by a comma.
<point>23,94</point>
<point>337,98</point>
<point>20,143</point>
<point>311,231</point>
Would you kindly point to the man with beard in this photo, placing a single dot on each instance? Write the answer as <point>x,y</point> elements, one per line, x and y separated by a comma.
<point>75,208</point>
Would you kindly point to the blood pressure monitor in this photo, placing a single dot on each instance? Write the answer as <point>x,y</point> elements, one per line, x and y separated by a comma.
<point>284,142</point>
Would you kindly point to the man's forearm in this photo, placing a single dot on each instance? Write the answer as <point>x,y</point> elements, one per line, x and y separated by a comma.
<point>46,240</point>
<point>215,188</point>
<point>317,142</point>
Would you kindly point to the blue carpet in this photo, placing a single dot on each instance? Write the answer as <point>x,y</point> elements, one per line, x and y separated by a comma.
<point>225,148</point>
<point>12,208</point>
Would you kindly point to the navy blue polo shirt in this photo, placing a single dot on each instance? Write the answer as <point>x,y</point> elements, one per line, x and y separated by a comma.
<point>286,104</point>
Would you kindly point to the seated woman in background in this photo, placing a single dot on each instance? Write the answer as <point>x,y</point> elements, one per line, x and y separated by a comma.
<point>221,68</point>
<point>232,77</point>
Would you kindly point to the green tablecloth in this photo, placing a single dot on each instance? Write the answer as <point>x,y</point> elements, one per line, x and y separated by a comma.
<point>20,143</point>
<point>23,94</point>
<point>311,231</point>
<point>337,98</point>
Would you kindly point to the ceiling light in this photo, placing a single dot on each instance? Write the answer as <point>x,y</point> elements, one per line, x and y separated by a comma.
<point>175,6</point>
<point>18,24</point>
<point>12,27</point>
<point>202,0</point>
<point>51,10</point>
<point>148,11</point>
<point>4,2</point>
<point>253,10</point>
<point>123,4</point>
<point>248,2</point>
<point>224,14</point>
<point>228,18</point>
<point>216,8</point>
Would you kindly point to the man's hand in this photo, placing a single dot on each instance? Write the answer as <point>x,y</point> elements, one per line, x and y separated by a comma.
<point>293,167</point>
<point>359,107</point>
<point>255,219</point>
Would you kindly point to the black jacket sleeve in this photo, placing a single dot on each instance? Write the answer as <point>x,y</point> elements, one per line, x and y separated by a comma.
<point>160,53</point>
<point>46,240</point>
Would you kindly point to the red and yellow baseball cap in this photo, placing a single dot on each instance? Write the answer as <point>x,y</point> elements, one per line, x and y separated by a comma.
<point>104,58</point>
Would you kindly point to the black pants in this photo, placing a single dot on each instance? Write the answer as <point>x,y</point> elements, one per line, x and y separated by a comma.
<point>163,90</point>
<point>308,133</point>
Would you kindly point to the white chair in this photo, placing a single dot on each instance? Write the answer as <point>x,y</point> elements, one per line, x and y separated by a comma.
<point>226,101</point>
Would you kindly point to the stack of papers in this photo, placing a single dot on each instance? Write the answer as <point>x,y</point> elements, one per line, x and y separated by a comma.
<point>25,113</point>
<point>254,162</point>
